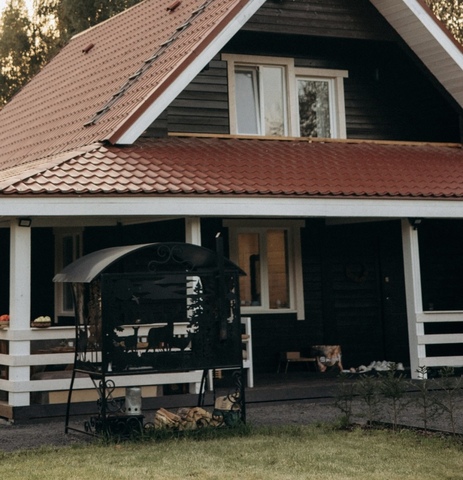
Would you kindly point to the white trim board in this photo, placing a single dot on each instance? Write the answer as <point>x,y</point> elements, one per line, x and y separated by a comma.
<point>130,135</point>
<point>431,43</point>
<point>223,206</point>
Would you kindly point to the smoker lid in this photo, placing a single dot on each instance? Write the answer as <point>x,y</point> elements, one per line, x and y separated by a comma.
<point>88,267</point>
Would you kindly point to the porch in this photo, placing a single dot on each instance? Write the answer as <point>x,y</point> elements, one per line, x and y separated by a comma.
<point>268,388</point>
<point>365,313</point>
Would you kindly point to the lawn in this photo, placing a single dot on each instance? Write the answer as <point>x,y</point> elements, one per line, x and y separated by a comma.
<point>283,453</point>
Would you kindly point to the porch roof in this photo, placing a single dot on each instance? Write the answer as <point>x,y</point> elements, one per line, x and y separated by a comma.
<point>113,80</point>
<point>231,166</point>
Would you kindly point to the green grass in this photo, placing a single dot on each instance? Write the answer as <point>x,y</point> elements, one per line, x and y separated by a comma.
<point>282,453</point>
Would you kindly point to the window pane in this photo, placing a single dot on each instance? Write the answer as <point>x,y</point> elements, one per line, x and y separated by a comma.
<point>277,257</point>
<point>247,102</point>
<point>314,108</point>
<point>273,101</point>
<point>249,261</point>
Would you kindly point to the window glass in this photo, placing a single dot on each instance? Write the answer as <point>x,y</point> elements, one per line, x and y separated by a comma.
<point>260,101</point>
<point>247,101</point>
<point>68,247</point>
<point>274,108</point>
<point>273,96</point>
<point>264,258</point>
<point>314,108</point>
<point>277,265</point>
<point>249,261</point>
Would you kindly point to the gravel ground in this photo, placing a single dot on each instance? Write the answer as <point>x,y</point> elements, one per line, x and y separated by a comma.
<point>15,437</point>
<point>38,434</point>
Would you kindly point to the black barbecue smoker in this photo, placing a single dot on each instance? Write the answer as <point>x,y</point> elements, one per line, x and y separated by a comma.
<point>149,309</point>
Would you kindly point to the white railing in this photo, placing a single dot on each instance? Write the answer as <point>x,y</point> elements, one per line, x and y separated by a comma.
<point>438,339</point>
<point>18,383</point>
<point>246,340</point>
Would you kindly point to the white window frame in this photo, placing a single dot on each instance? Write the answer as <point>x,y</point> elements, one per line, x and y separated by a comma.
<point>77,240</point>
<point>296,291</point>
<point>334,77</point>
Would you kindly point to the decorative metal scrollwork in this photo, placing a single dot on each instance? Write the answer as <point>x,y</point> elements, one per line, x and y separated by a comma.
<point>106,400</point>
<point>169,254</point>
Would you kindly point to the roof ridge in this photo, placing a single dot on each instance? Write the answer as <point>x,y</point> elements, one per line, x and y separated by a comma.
<point>148,63</point>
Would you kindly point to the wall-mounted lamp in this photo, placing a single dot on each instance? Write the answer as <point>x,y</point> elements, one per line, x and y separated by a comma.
<point>415,222</point>
<point>24,222</point>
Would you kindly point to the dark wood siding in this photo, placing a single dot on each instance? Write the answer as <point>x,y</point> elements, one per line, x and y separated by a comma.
<point>441,268</point>
<point>387,96</point>
<point>42,272</point>
<point>96,238</point>
<point>333,18</point>
<point>5,271</point>
<point>354,295</point>
<point>441,258</point>
<point>272,334</point>
<point>203,106</point>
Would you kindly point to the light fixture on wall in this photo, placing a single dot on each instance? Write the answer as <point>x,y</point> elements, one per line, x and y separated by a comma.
<point>24,222</point>
<point>415,222</point>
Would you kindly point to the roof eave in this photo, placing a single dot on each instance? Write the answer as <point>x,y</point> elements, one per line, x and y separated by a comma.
<point>160,98</point>
<point>429,39</point>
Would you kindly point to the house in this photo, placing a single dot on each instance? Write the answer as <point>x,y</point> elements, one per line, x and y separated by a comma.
<point>322,139</point>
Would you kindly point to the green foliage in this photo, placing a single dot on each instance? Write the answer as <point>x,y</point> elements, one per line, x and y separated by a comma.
<point>16,49</point>
<point>448,401</point>
<point>344,399</point>
<point>77,15</point>
<point>27,43</point>
<point>368,391</point>
<point>450,12</point>
<point>394,387</point>
<point>427,398</point>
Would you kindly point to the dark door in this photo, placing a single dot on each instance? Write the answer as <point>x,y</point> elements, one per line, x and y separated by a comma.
<point>364,299</point>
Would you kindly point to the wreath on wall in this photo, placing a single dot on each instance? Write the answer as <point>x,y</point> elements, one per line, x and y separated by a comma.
<point>357,272</point>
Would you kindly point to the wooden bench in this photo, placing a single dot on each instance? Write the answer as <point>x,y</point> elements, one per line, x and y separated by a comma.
<point>294,357</point>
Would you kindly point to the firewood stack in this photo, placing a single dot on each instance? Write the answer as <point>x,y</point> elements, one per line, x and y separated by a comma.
<point>226,412</point>
<point>184,419</point>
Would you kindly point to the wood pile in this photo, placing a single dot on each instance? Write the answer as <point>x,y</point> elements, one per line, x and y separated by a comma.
<point>184,419</point>
<point>196,417</point>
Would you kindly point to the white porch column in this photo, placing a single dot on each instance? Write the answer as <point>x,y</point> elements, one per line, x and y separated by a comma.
<point>413,293</point>
<point>20,305</point>
<point>193,230</point>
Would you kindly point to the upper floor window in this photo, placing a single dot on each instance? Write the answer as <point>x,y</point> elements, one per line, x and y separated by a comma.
<point>271,97</point>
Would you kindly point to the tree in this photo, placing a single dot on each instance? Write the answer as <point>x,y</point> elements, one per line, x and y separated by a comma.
<point>15,49</point>
<point>450,12</point>
<point>76,15</point>
<point>66,18</point>
<point>26,44</point>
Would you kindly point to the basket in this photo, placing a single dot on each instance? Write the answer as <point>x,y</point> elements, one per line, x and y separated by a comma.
<point>41,324</point>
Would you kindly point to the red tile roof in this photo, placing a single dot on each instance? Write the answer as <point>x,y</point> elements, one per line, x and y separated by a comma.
<point>232,166</point>
<point>48,116</point>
